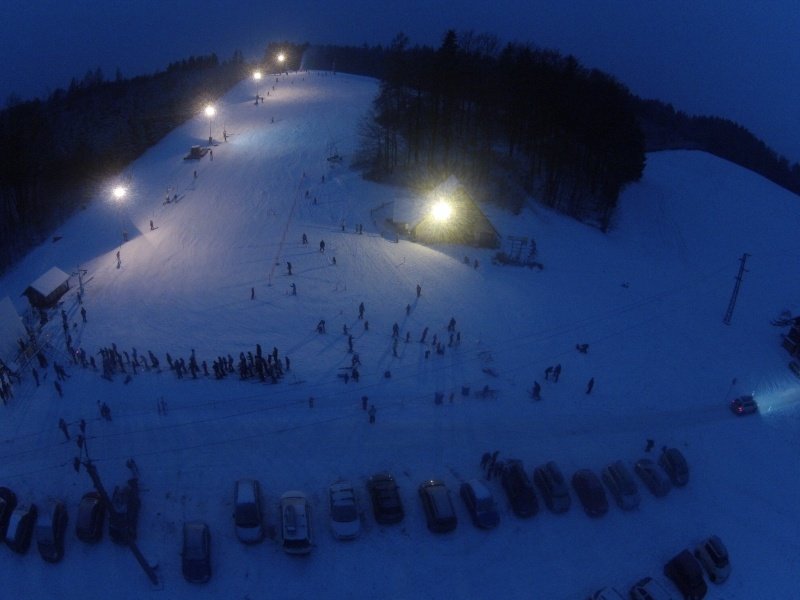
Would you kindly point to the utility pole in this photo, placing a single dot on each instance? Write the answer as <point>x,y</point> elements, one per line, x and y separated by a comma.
<point>732,304</point>
<point>80,273</point>
<point>112,513</point>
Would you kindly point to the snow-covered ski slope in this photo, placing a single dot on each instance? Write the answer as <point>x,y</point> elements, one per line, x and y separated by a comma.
<point>648,298</point>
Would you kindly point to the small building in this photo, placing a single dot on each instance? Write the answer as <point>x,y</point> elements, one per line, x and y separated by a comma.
<point>46,291</point>
<point>463,222</point>
<point>12,330</point>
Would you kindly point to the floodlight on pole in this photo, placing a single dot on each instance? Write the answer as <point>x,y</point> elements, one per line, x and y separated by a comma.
<point>441,211</point>
<point>210,112</point>
<point>256,78</point>
<point>119,193</point>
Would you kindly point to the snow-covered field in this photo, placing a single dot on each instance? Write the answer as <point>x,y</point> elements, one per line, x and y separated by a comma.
<point>649,298</point>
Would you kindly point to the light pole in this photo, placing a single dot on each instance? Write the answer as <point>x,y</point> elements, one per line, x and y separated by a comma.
<point>119,193</point>
<point>210,112</point>
<point>257,78</point>
<point>281,59</point>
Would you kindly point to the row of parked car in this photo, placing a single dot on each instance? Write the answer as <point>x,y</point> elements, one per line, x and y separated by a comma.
<point>19,523</point>
<point>685,570</point>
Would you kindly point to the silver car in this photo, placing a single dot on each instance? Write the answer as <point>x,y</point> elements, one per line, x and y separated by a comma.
<point>247,515</point>
<point>653,477</point>
<point>712,554</point>
<point>620,483</point>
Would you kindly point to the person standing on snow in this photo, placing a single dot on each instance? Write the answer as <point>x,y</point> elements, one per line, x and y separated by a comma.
<point>589,386</point>
<point>372,410</point>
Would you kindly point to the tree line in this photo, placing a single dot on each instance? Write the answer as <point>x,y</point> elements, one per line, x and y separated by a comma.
<point>56,150</point>
<point>564,133</point>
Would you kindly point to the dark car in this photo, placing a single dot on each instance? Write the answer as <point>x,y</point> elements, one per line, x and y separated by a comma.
<point>8,502</point>
<point>687,575</point>
<point>20,528</point>
<point>653,478</point>
<point>551,483</point>
<point>122,525</point>
<point>675,465</point>
<point>440,513</point>
<point>480,504</point>
<point>50,531</point>
<point>196,553</point>
<point>590,492</point>
<point>519,489</point>
<point>620,483</point>
<point>385,497</point>
<point>744,405</point>
<point>91,515</point>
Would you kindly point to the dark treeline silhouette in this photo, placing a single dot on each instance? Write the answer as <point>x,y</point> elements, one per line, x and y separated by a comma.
<point>539,100</point>
<point>569,135</point>
<point>55,150</point>
<point>669,129</point>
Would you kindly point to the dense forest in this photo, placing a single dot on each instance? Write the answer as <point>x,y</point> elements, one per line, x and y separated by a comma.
<point>663,126</point>
<point>55,150</point>
<point>563,134</point>
<point>512,120</point>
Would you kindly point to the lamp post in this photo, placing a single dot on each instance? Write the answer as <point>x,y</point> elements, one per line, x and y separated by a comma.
<point>256,78</point>
<point>210,112</point>
<point>281,59</point>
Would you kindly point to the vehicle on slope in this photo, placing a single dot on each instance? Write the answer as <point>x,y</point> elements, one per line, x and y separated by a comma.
<point>686,573</point>
<point>196,552</point>
<point>50,531</point>
<point>248,517</point>
<point>440,514</point>
<point>386,503</point>
<point>620,483</point>
<point>744,405</point>
<point>653,477</point>
<point>551,483</point>
<point>345,522</point>
<point>713,555</point>
<point>480,503</point>
<point>674,464</point>
<point>590,492</point>
<point>519,489</point>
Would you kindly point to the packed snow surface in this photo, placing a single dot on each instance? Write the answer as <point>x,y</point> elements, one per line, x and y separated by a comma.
<point>648,298</point>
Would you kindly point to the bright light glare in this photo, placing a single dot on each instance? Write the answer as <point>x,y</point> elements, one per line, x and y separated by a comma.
<point>119,192</point>
<point>210,111</point>
<point>257,75</point>
<point>441,211</point>
<point>281,57</point>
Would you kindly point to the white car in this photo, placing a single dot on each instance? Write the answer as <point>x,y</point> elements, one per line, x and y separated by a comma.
<point>296,533</point>
<point>713,555</point>
<point>345,522</point>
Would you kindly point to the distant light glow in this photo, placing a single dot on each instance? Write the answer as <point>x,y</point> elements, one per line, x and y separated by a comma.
<point>281,57</point>
<point>441,211</point>
<point>256,75</point>
<point>119,192</point>
<point>210,111</point>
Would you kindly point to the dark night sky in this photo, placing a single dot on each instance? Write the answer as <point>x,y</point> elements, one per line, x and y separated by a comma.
<point>737,59</point>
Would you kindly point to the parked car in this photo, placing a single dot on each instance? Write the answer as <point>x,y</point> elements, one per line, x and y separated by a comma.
<point>607,593</point>
<point>551,483</point>
<point>687,575</point>
<point>649,589</point>
<point>385,497</point>
<point>795,368</point>
<point>519,489</point>
<point>744,405</point>
<point>91,515</point>
<point>620,483</point>
<point>296,532</point>
<point>345,522</point>
<point>122,525</point>
<point>590,492</point>
<point>713,555</point>
<point>248,518</point>
<point>196,552</point>
<point>653,478</point>
<point>440,513</point>
<point>50,531</point>
<point>675,465</point>
<point>480,504</point>
<point>20,527</point>
<point>8,502</point>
